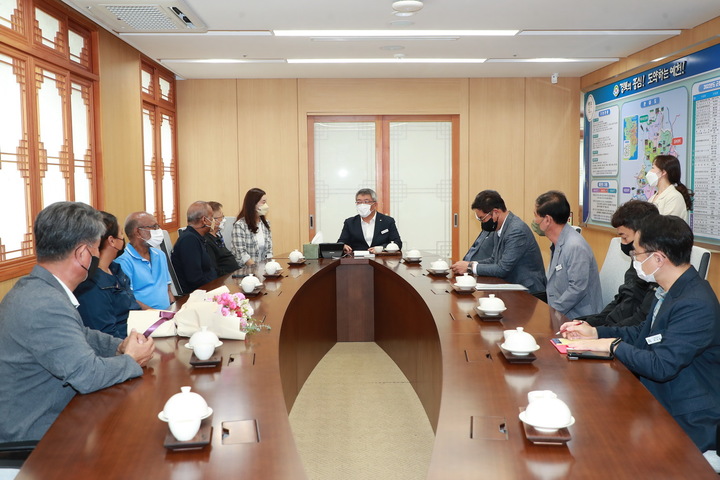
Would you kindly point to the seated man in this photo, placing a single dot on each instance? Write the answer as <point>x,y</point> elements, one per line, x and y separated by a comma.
<point>146,267</point>
<point>190,257</point>
<point>676,350</point>
<point>632,302</point>
<point>369,228</point>
<point>223,259</point>
<point>573,282</point>
<point>516,257</point>
<point>47,355</point>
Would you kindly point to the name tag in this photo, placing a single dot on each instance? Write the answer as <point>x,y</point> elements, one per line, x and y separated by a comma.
<point>558,268</point>
<point>385,231</point>
<point>654,339</point>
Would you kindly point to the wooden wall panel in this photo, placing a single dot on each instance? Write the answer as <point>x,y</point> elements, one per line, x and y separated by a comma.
<point>207,144</point>
<point>552,143</point>
<point>121,127</point>
<point>496,146</point>
<point>268,154</point>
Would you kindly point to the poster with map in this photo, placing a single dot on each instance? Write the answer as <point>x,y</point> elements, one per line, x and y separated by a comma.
<point>672,109</point>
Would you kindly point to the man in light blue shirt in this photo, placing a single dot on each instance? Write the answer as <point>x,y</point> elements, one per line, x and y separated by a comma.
<point>146,267</point>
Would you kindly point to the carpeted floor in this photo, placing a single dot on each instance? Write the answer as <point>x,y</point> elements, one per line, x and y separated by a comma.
<point>358,418</point>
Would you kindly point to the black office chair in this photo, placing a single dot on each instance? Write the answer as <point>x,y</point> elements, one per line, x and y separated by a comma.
<point>13,454</point>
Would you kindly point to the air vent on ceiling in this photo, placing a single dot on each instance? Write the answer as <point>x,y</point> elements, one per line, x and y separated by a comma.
<point>143,16</point>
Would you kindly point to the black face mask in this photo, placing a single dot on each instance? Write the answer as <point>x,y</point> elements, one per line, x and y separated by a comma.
<point>94,262</point>
<point>627,248</point>
<point>489,226</point>
<point>120,251</point>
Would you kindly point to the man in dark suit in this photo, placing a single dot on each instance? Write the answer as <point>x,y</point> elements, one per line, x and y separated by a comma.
<point>676,350</point>
<point>369,228</point>
<point>516,256</point>
<point>190,257</point>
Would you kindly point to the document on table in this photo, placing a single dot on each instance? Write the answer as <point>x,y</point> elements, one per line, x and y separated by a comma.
<point>499,286</point>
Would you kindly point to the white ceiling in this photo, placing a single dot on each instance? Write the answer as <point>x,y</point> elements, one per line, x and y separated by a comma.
<point>243,15</point>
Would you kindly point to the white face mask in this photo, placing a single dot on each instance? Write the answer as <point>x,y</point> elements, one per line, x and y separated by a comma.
<point>156,238</point>
<point>648,277</point>
<point>222,224</point>
<point>363,209</point>
<point>263,209</point>
<point>652,178</point>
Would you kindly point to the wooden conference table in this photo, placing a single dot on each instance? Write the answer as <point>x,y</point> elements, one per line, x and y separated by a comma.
<point>471,394</point>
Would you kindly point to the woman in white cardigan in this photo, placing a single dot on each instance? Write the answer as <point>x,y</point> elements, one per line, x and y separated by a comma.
<point>672,197</point>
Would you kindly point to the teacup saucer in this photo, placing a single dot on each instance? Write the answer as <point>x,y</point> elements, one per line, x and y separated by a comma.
<point>438,271</point>
<point>218,344</point>
<point>162,416</point>
<point>520,354</point>
<point>463,288</point>
<point>545,428</point>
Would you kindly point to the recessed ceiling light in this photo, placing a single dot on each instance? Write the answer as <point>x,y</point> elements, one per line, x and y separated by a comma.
<point>599,32</point>
<point>395,33</point>
<point>392,47</point>
<point>403,14</point>
<point>410,6</point>
<point>398,59</point>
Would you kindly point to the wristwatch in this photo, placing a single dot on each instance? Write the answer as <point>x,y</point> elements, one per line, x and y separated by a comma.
<point>470,268</point>
<point>614,344</point>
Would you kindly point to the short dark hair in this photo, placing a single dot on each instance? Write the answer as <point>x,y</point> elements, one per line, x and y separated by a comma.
<point>668,234</point>
<point>555,204</point>
<point>630,213</point>
<point>488,200</point>
<point>61,227</point>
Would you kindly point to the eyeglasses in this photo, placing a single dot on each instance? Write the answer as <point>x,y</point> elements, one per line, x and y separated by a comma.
<point>486,215</point>
<point>364,202</point>
<point>150,227</point>
<point>635,253</point>
<point>219,218</point>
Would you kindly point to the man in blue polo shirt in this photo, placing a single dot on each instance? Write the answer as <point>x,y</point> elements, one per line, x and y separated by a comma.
<point>146,267</point>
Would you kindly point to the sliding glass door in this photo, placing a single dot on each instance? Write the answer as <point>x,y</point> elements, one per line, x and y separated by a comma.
<point>410,161</point>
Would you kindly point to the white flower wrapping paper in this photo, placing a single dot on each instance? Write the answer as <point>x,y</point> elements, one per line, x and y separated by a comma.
<point>141,320</point>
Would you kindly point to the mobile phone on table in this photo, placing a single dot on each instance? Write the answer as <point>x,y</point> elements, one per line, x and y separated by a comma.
<point>591,355</point>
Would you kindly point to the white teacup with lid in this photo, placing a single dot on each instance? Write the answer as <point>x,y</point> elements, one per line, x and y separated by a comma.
<point>183,412</point>
<point>249,283</point>
<point>203,343</point>
<point>466,280</point>
<point>272,267</point>
<point>491,305</point>
<point>414,254</point>
<point>439,265</point>
<point>392,247</point>
<point>546,412</point>
<point>519,342</point>
<point>296,256</point>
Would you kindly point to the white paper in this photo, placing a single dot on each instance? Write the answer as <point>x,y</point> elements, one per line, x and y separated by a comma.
<point>317,239</point>
<point>499,286</point>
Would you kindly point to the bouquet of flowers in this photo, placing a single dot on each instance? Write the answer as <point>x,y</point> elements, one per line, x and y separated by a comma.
<point>236,305</point>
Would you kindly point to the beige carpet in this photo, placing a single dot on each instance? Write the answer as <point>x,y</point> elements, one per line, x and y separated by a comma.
<point>358,418</point>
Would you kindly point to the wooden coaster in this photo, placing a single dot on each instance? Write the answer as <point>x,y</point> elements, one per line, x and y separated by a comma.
<point>512,358</point>
<point>214,361</point>
<point>558,437</point>
<point>201,439</point>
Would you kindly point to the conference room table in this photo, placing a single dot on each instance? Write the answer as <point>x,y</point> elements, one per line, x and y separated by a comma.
<point>471,393</point>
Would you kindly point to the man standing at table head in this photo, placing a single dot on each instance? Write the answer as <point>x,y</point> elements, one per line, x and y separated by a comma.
<point>190,257</point>
<point>676,350</point>
<point>369,228</point>
<point>573,282</point>
<point>144,263</point>
<point>516,256</point>
<point>47,355</point>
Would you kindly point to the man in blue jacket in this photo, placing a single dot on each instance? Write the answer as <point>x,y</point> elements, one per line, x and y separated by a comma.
<point>676,350</point>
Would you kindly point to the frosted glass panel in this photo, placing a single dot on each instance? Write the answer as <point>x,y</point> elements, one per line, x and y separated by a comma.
<point>76,44</point>
<point>148,161</point>
<point>49,29</point>
<point>51,134</point>
<point>165,88</point>
<point>80,111</point>
<point>7,9</point>
<point>14,227</point>
<point>344,163</point>
<point>421,184</point>
<point>146,82</point>
<point>168,168</point>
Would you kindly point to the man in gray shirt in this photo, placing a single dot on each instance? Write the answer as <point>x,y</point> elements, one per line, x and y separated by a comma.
<point>47,355</point>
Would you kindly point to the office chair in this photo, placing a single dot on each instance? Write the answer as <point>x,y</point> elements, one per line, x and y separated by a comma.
<point>167,248</point>
<point>700,259</point>
<point>612,273</point>
<point>12,456</point>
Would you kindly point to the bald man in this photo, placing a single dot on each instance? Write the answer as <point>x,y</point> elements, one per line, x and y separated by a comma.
<point>193,264</point>
<point>146,267</point>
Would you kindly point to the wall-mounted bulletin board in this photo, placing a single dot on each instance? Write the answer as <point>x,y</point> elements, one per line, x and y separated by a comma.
<point>670,109</point>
